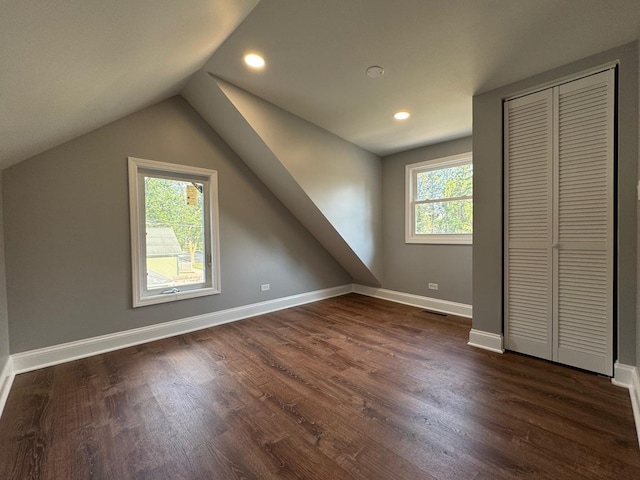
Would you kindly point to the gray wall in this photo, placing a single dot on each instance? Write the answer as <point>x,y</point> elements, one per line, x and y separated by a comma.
<point>410,267</point>
<point>487,190</point>
<point>343,179</point>
<point>332,186</point>
<point>67,232</point>
<point>4,320</point>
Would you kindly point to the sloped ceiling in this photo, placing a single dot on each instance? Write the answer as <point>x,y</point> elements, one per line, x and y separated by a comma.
<point>436,54</point>
<point>331,186</point>
<point>69,67</point>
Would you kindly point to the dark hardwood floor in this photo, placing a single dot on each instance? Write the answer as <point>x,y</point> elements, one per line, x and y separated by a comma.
<point>351,387</point>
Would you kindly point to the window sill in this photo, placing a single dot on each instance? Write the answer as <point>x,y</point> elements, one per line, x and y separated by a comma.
<point>441,239</point>
<point>173,297</point>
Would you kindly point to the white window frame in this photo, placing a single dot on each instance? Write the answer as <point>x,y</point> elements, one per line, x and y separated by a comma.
<point>412,171</point>
<point>138,167</point>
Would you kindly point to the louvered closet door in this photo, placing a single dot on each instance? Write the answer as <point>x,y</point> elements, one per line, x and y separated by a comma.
<point>528,224</point>
<point>583,223</point>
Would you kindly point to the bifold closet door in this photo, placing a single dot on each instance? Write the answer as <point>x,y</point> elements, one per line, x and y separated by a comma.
<point>559,237</point>
<point>528,224</point>
<point>583,223</point>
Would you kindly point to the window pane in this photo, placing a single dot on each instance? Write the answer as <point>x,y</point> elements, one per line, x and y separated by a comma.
<point>451,217</point>
<point>174,217</point>
<point>445,183</point>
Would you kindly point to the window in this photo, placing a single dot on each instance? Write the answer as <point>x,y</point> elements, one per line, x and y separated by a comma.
<point>174,231</point>
<point>439,207</point>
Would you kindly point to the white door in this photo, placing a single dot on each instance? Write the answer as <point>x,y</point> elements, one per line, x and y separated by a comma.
<point>559,146</point>
<point>528,224</point>
<point>583,223</point>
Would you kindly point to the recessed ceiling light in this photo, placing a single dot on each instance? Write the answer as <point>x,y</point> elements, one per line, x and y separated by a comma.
<point>402,115</point>
<point>254,60</point>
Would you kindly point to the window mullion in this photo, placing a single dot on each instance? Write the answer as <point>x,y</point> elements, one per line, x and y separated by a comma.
<point>442,200</point>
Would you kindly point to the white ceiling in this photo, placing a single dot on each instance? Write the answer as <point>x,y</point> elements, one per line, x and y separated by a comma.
<point>68,67</point>
<point>436,55</point>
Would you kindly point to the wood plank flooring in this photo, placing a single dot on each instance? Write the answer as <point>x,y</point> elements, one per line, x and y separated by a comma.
<point>346,388</point>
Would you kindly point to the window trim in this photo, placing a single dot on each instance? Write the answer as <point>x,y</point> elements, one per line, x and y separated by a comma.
<point>137,168</point>
<point>411,172</point>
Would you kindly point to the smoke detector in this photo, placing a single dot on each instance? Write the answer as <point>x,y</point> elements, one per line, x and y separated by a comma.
<point>375,71</point>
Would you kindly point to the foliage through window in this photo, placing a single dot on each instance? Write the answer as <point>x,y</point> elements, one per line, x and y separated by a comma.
<point>173,231</point>
<point>439,206</point>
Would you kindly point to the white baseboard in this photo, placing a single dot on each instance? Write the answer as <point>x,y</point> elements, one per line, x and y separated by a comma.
<point>444,306</point>
<point>48,356</point>
<point>66,352</point>
<point>628,376</point>
<point>45,357</point>
<point>6,380</point>
<point>623,375</point>
<point>486,341</point>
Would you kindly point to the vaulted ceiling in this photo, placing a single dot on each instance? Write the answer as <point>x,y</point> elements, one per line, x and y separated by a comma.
<point>68,67</point>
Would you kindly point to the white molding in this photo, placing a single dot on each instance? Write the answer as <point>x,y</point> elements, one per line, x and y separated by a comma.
<point>6,380</point>
<point>444,306</point>
<point>628,376</point>
<point>411,170</point>
<point>623,375</point>
<point>562,80</point>
<point>45,357</point>
<point>209,178</point>
<point>486,341</point>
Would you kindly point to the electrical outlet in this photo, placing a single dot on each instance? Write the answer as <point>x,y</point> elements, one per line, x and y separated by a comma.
<point>265,287</point>
<point>433,286</point>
